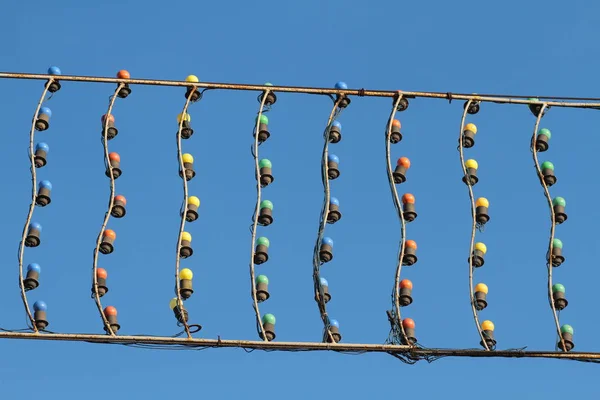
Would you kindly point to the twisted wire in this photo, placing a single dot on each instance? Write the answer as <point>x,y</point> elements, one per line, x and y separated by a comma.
<point>473,226</point>
<point>552,220</point>
<point>396,198</point>
<point>111,202</point>
<point>259,326</point>
<point>319,294</point>
<point>31,206</point>
<point>182,222</point>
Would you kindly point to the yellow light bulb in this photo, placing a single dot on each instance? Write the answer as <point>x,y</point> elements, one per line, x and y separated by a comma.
<point>186,236</point>
<point>481,287</point>
<point>186,273</point>
<point>173,303</point>
<point>194,200</point>
<point>186,117</point>
<point>487,326</point>
<point>187,158</point>
<point>481,247</point>
<point>471,164</point>
<point>482,202</point>
<point>192,79</point>
<point>471,127</point>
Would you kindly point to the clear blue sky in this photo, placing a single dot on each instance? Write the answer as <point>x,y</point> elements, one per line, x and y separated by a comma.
<point>528,48</point>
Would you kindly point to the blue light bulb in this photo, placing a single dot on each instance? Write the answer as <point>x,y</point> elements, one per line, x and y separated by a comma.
<point>54,70</point>
<point>42,146</point>
<point>323,282</point>
<point>327,241</point>
<point>35,225</point>
<point>337,124</point>
<point>46,185</point>
<point>34,267</point>
<point>334,201</point>
<point>40,306</point>
<point>333,158</point>
<point>341,85</point>
<point>334,322</point>
<point>45,110</point>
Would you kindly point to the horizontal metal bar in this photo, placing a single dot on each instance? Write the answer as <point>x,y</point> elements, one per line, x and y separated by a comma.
<point>297,346</point>
<point>502,99</point>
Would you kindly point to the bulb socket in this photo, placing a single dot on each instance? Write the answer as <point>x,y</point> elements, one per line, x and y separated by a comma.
<point>114,324</point>
<point>408,211</point>
<point>480,301</point>
<point>489,339</point>
<point>560,301</point>
<point>185,250</point>
<point>410,256</point>
<point>402,105</point>
<point>335,135</point>
<point>194,92</point>
<point>192,213</point>
<point>332,170</point>
<point>32,280</point>
<point>334,214</point>
<point>124,92</point>
<point>560,215</point>
<point>395,135</point>
<point>271,98</point>
<point>118,209</point>
<point>40,158</point>
<point>405,297</point>
<point>42,122</point>
<point>106,245</point>
<point>325,253</point>
<point>471,178</point>
<point>326,294</point>
<point>262,292</point>
<point>263,132</point>
<point>410,335</point>
<point>468,138</point>
<point>399,174</point>
<point>536,109</point>
<point>261,254</point>
<point>102,288</point>
<point>342,100</point>
<point>189,171</point>
<point>111,131</point>
<point>549,177</point>
<point>41,320</point>
<point>181,316</point>
<point>33,238</point>
<point>53,86</point>
<point>266,177</point>
<point>185,288</point>
<point>335,333</point>
<point>269,331</point>
<point>265,216</point>
<point>43,197</point>
<point>481,215</point>
<point>541,143</point>
<point>116,171</point>
<point>473,107</point>
<point>557,257</point>
<point>568,339</point>
<point>186,130</point>
<point>478,258</point>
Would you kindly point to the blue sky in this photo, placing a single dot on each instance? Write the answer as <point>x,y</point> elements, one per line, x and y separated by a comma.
<point>531,48</point>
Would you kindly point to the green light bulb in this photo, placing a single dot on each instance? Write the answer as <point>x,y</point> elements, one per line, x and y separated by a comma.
<point>264,163</point>
<point>547,165</point>
<point>269,319</point>
<point>566,329</point>
<point>263,240</point>
<point>263,119</point>
<point>557,243</point>
<point>268,84</point>
<point>266,204</point>
<point>262,279</point>
<point>546,132</point>
<point>558,288</point>
<point>559,201</point>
